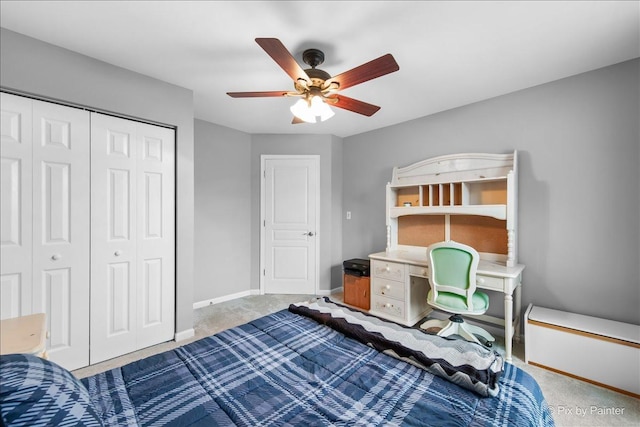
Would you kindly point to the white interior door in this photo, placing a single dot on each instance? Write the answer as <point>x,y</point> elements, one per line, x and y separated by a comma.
<point>15,207</point>
<point>132,244</point>
<point>290,224</point>
<point>61,229</point>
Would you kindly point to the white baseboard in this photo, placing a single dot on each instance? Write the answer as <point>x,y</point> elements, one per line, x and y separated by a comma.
<point>183,335</point>
<point>325,292</point>
<point>230,297</point>
<point>213,301</point>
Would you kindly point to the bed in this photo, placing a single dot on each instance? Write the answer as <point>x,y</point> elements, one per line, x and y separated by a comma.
<point>316,363</point>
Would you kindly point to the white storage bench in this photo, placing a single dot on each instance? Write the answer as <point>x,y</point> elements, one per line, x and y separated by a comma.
<point>599,351</point>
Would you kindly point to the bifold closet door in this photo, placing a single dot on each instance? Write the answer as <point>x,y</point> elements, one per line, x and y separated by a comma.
<point>45,221</point>
<point>132,236</point>
<point>61,229</point>
<point>16,246</point>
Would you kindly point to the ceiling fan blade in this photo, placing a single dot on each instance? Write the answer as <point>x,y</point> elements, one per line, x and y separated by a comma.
<point>354,105</point>
<point>283,58</point>
<point>373,69</point>
<point>273,93</point>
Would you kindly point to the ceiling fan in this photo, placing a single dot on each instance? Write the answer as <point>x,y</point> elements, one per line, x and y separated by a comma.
<point>317,88</point>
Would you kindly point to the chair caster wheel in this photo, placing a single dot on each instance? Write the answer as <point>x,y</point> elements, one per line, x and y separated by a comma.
<point>485,342</point>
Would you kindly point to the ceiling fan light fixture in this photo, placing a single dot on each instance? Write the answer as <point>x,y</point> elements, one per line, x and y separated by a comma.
<point>310,111</point>
<point>321,109</point>
<point>302,111</point>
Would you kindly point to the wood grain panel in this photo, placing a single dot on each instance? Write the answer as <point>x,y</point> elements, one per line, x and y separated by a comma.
<point>420,230</point>
<point>410,194</point>
<point>485,234</point>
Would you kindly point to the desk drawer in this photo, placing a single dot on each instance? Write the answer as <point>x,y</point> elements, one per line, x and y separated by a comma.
<point>419,270</point>
<point>388,288</point>
<point>388,270</point>
<point>388,307</point>
<point>488,282</point>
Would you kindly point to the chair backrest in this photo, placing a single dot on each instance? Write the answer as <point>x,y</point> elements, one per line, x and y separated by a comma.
<point>452,268</point>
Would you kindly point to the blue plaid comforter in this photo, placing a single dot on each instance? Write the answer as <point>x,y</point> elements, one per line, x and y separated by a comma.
<point>286,369</point>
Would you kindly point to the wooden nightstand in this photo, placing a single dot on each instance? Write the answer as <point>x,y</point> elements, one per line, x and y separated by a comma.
<point>24,334</point>
<point>356,291</point>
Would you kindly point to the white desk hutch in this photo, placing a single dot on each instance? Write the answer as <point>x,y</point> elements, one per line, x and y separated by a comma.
<point>470,198</point>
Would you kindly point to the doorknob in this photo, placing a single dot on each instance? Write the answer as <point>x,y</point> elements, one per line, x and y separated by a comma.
<point>56,257</point>
<point>118,252</point>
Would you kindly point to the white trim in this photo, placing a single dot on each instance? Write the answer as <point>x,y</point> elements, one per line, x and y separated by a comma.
<point>229,297</point>
<point>325,292</point>
<point>183,335</point>
<point>263,161</point>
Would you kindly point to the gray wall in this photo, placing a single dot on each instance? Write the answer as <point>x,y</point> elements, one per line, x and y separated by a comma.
<point>222,211</point>
<point>227,207</point>
<point>31,66</point>
<point>579,184</point>
<point>336,211</point>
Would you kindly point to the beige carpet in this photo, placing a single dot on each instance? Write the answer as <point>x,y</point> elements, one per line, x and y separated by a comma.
<point>573,402</point>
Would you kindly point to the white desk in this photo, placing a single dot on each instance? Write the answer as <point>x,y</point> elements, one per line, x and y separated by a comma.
<point>492,276</point>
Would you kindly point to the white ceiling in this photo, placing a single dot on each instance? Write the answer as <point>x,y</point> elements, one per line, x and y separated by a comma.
<point>450,53</point>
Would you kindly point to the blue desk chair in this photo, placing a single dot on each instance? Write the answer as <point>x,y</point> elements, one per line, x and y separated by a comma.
<point>452,275</point>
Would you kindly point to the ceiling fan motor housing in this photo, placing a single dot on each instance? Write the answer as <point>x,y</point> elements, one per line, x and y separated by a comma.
<point>314,57</point>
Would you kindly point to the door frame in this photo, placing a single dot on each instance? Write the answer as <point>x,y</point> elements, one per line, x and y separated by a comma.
<point>263,163</point>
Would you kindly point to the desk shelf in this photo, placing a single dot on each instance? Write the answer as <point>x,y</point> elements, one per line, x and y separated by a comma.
<point>461,185</point>
<point>494,211</point>
<point>481,191</point>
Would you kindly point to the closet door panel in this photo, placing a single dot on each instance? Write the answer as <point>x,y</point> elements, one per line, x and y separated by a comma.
<point>15,206</point>
<point>57,295</point>
<point>156,242</point>
<point>113,237</point>
<point>61,229</point>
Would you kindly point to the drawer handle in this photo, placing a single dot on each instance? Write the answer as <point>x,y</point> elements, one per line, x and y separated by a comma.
<point>387,287</point>
<point>479,280</point>
<point>388,305</point>
<point>387,269</point>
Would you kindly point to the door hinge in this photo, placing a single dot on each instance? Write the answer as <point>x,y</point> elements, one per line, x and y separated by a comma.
<point>264,174</point>
<point>264,272</point>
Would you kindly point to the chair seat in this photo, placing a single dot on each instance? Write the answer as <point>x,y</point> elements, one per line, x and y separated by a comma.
<point>454,303</point>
